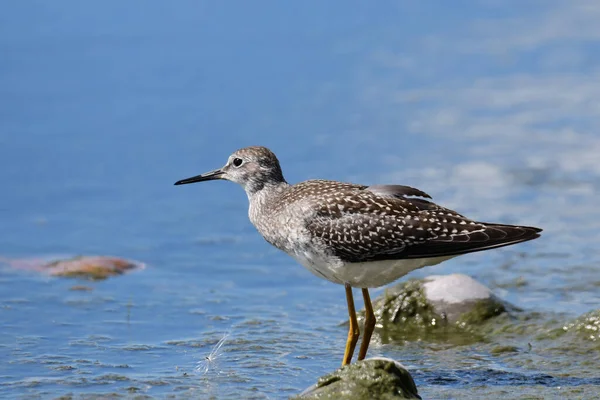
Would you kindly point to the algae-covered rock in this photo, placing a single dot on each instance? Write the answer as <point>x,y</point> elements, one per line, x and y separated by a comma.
<point>405,305</point>
<point>586,327</point>
<point>438,301</point>
<point>375,378</point>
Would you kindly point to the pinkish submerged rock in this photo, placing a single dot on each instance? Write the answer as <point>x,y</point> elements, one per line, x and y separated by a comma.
<point>87,267</point>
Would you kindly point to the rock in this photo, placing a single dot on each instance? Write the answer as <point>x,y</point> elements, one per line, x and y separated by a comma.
<point>87,267</point>
<point>586,327</point>
<point>91,267</point>
<point>461,299</point>
<point>374,378</point>
<point>81,288</point>
<point>437,301</point>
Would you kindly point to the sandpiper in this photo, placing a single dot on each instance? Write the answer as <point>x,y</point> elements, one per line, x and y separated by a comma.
<point>355,235</point>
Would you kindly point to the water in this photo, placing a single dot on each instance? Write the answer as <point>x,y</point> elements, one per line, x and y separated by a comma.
<point>490,108</point>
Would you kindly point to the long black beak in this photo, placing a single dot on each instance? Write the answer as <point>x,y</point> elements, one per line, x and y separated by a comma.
<point>209,176</point>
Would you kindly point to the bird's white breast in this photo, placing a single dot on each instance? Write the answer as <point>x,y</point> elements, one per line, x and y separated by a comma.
<point>370,274</point>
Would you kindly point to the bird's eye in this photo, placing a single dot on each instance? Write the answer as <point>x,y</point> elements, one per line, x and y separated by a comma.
<point>237,162</point>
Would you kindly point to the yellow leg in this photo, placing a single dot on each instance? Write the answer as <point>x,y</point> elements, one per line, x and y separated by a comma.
<point>353,331</point>
<point>369,325</point>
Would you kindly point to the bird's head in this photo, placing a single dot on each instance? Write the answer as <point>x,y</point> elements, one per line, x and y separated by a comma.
<point>252,167</point>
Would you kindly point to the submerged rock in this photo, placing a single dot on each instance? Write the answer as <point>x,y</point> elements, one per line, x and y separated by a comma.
<point>437,301</point>
<point>87,267</point>
<point>91,267</point>
<point>375,378</point>
<point>586,327</point>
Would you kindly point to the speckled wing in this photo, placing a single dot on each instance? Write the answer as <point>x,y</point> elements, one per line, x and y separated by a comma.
<point>362,224</point>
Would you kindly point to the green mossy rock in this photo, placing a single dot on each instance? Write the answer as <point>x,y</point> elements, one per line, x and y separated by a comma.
<point>440,304</point>
<point>405,305</point>
<point>375,378</point>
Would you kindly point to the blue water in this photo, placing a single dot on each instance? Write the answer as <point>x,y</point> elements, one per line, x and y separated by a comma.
<point>104,105</point>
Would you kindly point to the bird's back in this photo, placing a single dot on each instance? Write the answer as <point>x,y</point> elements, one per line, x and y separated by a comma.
<point>358,223</point>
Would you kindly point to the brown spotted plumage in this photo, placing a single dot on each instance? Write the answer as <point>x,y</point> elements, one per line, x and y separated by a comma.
<point>356,235</point>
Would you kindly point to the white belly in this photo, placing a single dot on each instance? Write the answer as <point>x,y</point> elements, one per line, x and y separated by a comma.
<point>370,274</point>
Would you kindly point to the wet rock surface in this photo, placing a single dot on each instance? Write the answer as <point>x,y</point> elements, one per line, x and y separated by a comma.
<point>375,378</point>
<point>461,299</point>
<point>91,267</point>
<point>437,302</point>
<point>85,267</point>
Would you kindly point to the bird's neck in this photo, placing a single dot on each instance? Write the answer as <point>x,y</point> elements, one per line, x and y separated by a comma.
<point>267,194</point>
<point>266,191</point>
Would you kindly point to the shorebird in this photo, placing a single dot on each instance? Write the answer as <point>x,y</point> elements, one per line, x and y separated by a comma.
<point>355,235</point>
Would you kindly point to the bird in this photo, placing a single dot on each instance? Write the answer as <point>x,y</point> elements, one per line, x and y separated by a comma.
<point>358,236</point>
